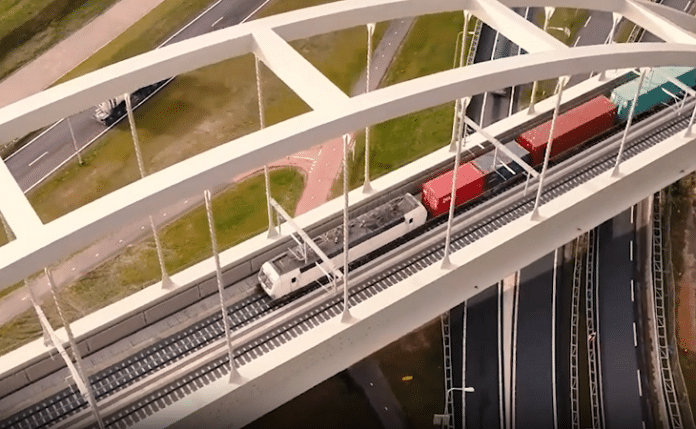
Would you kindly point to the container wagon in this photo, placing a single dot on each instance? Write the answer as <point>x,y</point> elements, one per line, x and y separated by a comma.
<point>572,128</point>
<point>498,167</point>
<point>436,193</point>
<point>655,90</point>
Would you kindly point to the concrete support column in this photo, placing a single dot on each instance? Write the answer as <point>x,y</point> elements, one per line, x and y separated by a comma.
<point>366,184</point>
<point>166,280</point>
<point>234,374</point>
<point>76,354</point>
<point>446,264</point>
<point>262,121</point>
<point>561,84</point>
<point>346,316</point>
<point>615,172</point>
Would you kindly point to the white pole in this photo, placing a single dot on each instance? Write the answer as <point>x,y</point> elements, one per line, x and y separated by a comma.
<point>688,131</point>
<point>346,317</point>
<point>526,185</point>
<point>366,184</point>
<point>76,353</point>
<point>262,121</point>
<point>446,264</point>
<point>74,142</point>
<point>548,11</point>
<point>166,280</point>
<point>456,123</point>
<point>561,83</point>
<point>553,340</point>
<point>610,40</point>
<point>628,124</point>
<point>234,374</point>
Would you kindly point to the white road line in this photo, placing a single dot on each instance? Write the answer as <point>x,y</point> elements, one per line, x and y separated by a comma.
<point>640,389</point>
<point>587,22</point>
<point>37,159</point>
<point>101,133</point>
<point>635,337</point>
<point>632,291</point>
<point>303,157</point>
<point>576,41</point>
<point>33,140</point>
<point>631,250</point>
<point>632,210</point>
<point>218,20</point>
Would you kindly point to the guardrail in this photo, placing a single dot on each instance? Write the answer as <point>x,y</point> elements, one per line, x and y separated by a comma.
<point>668,388</point>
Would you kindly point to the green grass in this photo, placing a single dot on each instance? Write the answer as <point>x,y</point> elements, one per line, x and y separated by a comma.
<point>197,111</point>
<point>143,36</point>
<point>30,27</point>
<point>239,213</point>
<point>399,141</point>
<point>573,19</point>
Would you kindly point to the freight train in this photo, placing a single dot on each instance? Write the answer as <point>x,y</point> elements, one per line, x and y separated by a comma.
<point>110,111</point>
<point>298,267</point>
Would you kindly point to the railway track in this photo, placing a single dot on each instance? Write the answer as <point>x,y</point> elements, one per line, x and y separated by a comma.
<point>68,405</point>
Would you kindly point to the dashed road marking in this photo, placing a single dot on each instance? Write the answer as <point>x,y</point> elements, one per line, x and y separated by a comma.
<point>37,159</point>
<point>219,19</point>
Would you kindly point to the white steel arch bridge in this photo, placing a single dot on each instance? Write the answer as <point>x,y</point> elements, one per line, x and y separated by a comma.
<point>428,293</point>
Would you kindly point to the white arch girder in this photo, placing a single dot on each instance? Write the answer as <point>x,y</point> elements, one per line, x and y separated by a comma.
<point>47,243</point>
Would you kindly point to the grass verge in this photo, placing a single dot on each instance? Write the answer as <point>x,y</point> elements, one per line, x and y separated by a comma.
<point>399,141</point>
<point>197,111</point>
<point>30,27</point>
<point>239,214</point>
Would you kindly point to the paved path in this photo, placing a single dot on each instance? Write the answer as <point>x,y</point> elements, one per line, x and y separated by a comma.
<point>66,55</point>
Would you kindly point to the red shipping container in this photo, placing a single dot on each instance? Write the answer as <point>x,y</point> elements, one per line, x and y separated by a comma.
<point>572,128</point>
<point>437,192</point>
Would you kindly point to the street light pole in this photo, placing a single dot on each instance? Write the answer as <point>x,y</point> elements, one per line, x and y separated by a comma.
<point>444,419</point>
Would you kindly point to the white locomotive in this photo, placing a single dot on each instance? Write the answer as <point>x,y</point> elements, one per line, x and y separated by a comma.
<point>299,266</point>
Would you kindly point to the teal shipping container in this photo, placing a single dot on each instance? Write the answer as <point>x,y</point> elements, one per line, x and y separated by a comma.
<point>656,89</point>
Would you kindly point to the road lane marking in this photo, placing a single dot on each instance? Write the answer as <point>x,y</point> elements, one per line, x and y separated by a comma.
<point>632,209</point>
<point>303,157</point>
<point>576,41</point>
<point>587,22</point>
<point>640,389</point>
<point>219,19</point>
<point>33,140</point>
<point>632,292</point>
<point>635,337</point>
<point>37,159</point>
<point>631,250</point>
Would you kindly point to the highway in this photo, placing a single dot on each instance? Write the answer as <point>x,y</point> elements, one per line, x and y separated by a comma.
<point>534,390</point>
<point>620,373</point>
<point>54,147</point>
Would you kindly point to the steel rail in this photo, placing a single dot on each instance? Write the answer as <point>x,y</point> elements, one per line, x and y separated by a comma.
<point>420,253</point>
<point>68,403</point>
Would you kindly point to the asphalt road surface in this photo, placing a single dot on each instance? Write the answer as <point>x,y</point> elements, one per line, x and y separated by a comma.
<point>620,375</point>
<point>483,404</point>
<point>534,388</point>
<point>46,153</point>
